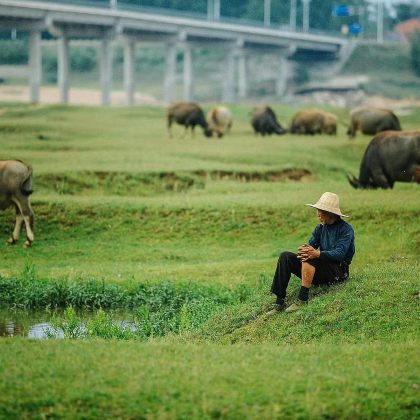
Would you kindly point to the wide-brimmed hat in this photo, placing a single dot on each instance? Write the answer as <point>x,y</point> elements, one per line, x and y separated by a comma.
<point>329,202</point>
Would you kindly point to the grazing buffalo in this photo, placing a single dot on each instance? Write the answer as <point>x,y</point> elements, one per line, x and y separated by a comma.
<point>15,189</point>
<point>314,121</point>
<point>264,121</point>
<point>186,114</point>
<point>330,124</point>
<point>309,121</point>
<point>391,156</point>
<point>370,120</point>
<point>219,121</point>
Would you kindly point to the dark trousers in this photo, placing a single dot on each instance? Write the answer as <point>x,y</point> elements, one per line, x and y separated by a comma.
<point>326,272</point>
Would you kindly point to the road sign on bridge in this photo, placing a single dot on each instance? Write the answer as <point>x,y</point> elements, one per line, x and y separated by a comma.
<point>343,10</point>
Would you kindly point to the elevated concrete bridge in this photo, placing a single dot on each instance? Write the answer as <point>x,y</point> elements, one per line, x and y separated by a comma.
<point>71,21</point>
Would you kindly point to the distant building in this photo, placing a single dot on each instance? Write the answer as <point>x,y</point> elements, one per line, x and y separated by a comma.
<point>406,28</point>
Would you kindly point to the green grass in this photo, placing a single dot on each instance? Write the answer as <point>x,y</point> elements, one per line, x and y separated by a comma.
<point>118,203</point>
<point>99,379</point>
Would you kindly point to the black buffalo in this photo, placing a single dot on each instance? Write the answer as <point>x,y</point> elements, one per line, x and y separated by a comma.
<point>264,121</point>
<point>391,156</point>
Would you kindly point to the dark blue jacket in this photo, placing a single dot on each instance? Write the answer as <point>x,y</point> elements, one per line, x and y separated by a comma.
<point>336,241</point>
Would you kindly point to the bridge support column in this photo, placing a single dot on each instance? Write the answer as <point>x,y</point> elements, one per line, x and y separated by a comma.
<point>188,74</point>
<point>242,75</point>
<point>129,83</point>
<point>106,69</point>
<point>229,77</point>
<point>170,74</point>
<point>282,76</point>
<point>35,65</point>
<point>63,63</point>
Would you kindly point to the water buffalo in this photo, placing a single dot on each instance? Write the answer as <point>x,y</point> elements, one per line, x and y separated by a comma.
<point>314,121</point>
<point>370,120</point>
<point>186,114</point>
<point>264,121</point>
<point>390,156</point>
<point>309,121</point>
<point>15,189</point>
<point>330,124</point>
<point>219,121</point>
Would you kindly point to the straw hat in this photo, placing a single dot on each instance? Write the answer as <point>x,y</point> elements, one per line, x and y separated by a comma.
<point>329,202</point>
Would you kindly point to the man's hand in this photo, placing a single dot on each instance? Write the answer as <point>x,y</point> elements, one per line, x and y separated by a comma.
<point>307,252</point>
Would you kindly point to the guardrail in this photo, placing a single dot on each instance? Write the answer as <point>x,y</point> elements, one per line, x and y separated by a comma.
<point>123,6</point>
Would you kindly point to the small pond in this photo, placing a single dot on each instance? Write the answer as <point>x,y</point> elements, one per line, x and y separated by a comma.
<point>35,323</point>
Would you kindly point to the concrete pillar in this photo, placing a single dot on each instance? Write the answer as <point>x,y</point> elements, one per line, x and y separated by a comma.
<point>380,22</point>
<point>106,69</point>
<point>188,74</point>
<point>267,12</point>
<point>129,82</point>
<point>229,77</point>
<point>63,63</point>
<point>306,15</point>
<point>216,10</point>
<point>282,76</point>
<point>170,74</point>
<point>210,9</point>
<point>242,75</point>
<point>35,65</point>
<point>293,15</point>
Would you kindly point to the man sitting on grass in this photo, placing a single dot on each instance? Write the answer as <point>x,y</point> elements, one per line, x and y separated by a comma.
<point>325,259</point>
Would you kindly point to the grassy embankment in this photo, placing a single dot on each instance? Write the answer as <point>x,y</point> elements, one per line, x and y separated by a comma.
<point>104,210</point>
<point>389,69</point>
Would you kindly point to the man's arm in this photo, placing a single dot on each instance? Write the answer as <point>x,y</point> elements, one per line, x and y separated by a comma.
<point>315,240</point>
<point>309,250</point>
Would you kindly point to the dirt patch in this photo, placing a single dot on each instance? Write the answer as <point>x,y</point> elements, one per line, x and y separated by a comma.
<point>267,176</point>
<point>77,96</point>
<point>147,184</point>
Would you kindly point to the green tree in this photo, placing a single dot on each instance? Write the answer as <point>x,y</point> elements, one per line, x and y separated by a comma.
<point>405,11</point>
<point>415,52</point>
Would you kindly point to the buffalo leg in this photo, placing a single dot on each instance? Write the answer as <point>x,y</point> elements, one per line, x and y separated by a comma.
<point>352,130</point>
<point>184,133</point>
<point>28,217</point>
<point>416,175</point>
<point>18,227</point>
<point>170,127</point>
<point>381,180</point>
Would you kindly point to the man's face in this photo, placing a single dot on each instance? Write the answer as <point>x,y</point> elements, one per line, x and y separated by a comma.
<point>325,218</point>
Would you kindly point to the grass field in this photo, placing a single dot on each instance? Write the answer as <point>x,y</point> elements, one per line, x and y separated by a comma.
<point>117,201</point>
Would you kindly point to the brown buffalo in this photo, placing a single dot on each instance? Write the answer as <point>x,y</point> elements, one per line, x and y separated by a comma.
<point>186,114</point>
<point>219,121</point>
<point>391,156</point>
<point>371,120</point>
<point>264,121</point>
<point>15,189</point>
<point>330,124</point>
<point>314,121</point>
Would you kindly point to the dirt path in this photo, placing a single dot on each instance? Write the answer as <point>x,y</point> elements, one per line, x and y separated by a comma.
<point>50,95</point>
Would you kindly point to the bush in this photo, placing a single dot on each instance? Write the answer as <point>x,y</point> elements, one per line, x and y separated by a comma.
<point>301,76</point>
<point>415,52</point>
<point>83,59</point>
<point>14,52</point>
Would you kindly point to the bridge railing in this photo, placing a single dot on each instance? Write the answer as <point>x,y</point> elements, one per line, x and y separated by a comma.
<point>124,6</point>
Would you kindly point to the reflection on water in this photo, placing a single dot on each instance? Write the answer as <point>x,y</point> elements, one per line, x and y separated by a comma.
<point>34,324</point>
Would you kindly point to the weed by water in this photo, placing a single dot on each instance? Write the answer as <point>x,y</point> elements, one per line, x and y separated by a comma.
<point>146,323</point>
